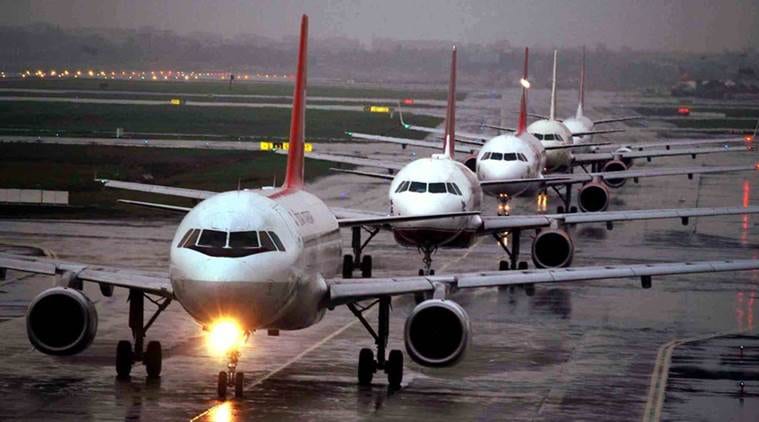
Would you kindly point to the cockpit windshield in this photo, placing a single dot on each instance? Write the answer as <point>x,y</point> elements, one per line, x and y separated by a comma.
<point>231,244</point>
<point>421,187</point>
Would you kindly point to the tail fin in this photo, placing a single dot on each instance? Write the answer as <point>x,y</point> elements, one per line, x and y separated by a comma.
<point>522,125</point>
<point>294,173</point>
<point>581,99</point>
<point>552,112</point>
<point>450,115</point>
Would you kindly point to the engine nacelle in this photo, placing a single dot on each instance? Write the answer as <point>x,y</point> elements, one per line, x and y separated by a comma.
<point>471,163</point>
<point>614,165</point>
<point>437,333</point>
<point>61,321</point>
<point>553,248</point>
<point>593,197</point>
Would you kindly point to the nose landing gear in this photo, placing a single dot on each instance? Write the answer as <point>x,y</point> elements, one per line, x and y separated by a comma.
<point>427,260</point>
<point>230,377</point>
<point>504,204</point>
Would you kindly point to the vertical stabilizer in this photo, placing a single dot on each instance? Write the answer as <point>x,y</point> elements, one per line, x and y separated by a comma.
<point>552,112</point>
<point>450,115</point>
<point>294,173</point>
<point>522,125</point>
<point>581,99</point>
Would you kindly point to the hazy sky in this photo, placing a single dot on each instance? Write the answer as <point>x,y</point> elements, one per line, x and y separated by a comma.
<point>692,25</point>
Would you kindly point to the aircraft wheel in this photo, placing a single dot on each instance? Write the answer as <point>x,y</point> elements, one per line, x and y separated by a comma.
<point>432,272</point>
<point>153,358</point>
<point>124,359</point>
<point>239,380</point>
<point>522,265</point>
<point>503,265</point>
<point>421,272</point>
<point>221,385</point>
<point>560,210</point>
<point>529,289</point>
<point>366,266</point>
<point>573,209</point>
<point>395,369</point>
<point>347,266</point>
<point>366,366</point>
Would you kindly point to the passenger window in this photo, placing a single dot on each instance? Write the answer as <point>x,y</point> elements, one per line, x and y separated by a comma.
<point>437,187</point>
<point>247,240</point>
<point>266,243</point>
<point>278,242</point>
<point>417,187</point>
<point>402,187</point>
<point>496,156</point>
<point>509,156</point>
<point>212,239</point>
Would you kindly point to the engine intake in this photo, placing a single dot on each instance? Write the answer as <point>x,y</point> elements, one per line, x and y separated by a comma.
<point>437,333</point>
<point>553,248</point>
<point>611,166</point>
<point>61,321</point>
<point>593,197</point>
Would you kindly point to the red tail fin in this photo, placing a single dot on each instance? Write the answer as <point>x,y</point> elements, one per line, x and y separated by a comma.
<point>522,125</point>
<point>450,115</point>
<point>294,175</point>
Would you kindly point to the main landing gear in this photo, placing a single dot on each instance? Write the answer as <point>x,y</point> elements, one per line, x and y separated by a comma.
<point>367,364</point>
<point>566,199</point>
<point>230,377</point>
<point>152,356</point>
<point>356,261</point>
<point>513,262</point>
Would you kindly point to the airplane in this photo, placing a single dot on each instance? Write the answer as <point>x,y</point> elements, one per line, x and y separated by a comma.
<point>248,260</point>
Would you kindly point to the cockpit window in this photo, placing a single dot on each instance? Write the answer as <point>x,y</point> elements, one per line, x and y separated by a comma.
<point>509,156</point>
<point>402,187</point>
<point>212,239</point>
<point>522,157</point>
<point>277,242</point>
<point>486,156</point>
<point>437,188</point>
<point>417,187</point>
<point>266,243</point>
<point>549,137</point>
<point>496,156</point>
<point>539,136</point>
<point>247,240</point>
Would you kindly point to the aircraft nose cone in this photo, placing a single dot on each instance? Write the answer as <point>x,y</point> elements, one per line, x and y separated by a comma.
<point>502,170</point>
<point>426,203</point>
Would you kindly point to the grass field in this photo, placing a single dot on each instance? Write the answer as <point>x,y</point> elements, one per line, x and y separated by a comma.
<point>222,87</point>
<point>73,168</point>
<point>69,119</point>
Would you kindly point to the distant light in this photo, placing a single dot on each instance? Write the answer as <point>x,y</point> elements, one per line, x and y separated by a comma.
<point>525,83</point>
<point>683,111</point>
<point>408,101</point>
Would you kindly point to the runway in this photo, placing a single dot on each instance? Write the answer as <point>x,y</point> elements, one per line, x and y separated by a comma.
<point>581,352</point>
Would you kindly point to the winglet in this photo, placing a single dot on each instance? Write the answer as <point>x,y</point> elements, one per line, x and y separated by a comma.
<point>552,112</point>
<point>450,115</point>
<point>581,99</point>
<point>522,125</point>
<point>294,173</point>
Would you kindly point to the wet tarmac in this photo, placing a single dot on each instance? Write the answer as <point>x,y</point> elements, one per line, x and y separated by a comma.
<point>583,352</point>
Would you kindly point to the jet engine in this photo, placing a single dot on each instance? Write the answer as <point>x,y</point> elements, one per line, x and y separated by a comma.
<point>437,333</point>
<point>471,163</point>
<point>61,321</point>
<point>553,248</point>
<point>614,165</point>
<point>593,197</point>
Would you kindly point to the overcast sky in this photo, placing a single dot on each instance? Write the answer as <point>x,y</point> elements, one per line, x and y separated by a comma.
<point>687,25</point>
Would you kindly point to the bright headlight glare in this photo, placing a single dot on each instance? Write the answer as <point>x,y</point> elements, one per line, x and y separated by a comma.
<point>224,335</point>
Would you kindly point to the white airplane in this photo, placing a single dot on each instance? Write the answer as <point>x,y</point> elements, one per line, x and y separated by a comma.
<point>250,260</point>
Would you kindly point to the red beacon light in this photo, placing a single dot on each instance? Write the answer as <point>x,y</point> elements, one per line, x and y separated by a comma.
<point>683,111</point>
<point>408,101</point>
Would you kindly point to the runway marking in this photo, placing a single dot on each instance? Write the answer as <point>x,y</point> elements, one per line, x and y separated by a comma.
<point>321,342</point>
<point>659,376</point>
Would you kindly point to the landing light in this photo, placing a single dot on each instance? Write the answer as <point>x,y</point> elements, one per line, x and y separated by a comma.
<point>222,412</point>
<point>223,336</point>
<point>525,83</point>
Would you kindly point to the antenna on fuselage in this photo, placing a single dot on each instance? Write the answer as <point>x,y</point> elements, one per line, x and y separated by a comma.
<point>552,111</point>
<point>450,116</point>
<point>522,125</point>
<point>294,172</point>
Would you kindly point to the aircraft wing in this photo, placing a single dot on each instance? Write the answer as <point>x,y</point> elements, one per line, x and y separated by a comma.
<point>617,119</point>
<point>383,176</point>
<point>501,128</point>
<point>667,144</point>
<point>569,179</point>
<point>460,136</point>
<point>162,190</point>
<point>342,291</point>
<point>492,224</point>
<point>606,156</point>
<point>404,141</point>
<point>574,146</point>
<point>597,132</point>
<point>387,220</point>
<point>151,282</point>
<point>355,161</point>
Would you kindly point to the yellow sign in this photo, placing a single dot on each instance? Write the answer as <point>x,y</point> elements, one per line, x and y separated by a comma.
<point>176,101</point>
<point>378,109</point>
<point>272,146</point>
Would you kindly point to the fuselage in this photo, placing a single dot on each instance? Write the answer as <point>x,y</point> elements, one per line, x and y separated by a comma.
<point>553,133</point>
<point>256,256</point>
<point>511,156</point>
<point>579,124</point>
<point>435,185</point>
